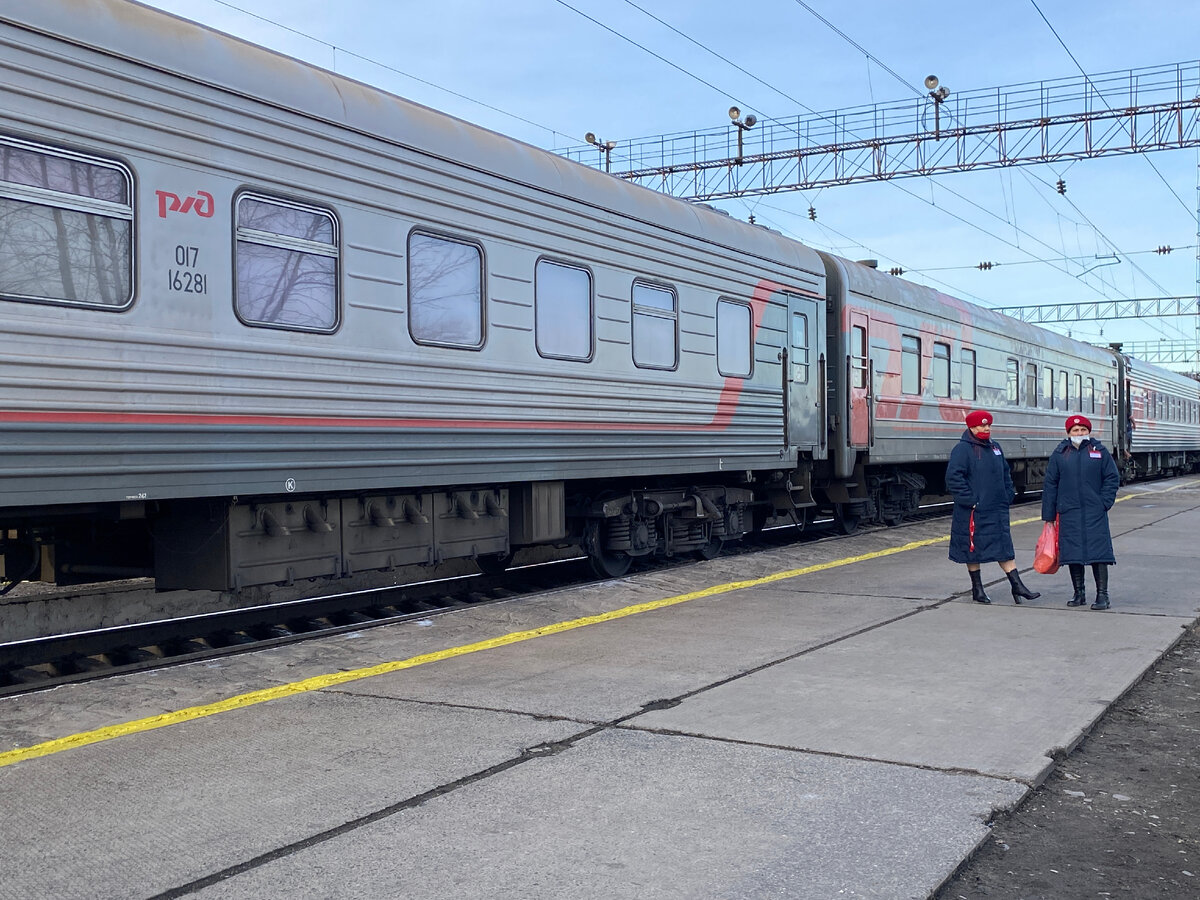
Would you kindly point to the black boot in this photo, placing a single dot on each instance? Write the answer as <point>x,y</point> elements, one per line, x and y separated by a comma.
<point>1018,588</point>
<point>1077,582</point>
<point>978,594</point>
<point>1100,571</point>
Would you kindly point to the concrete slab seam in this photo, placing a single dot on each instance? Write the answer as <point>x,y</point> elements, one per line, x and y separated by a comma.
<point>831,754</point>
<point>540,751</point>
<point>333,679</point>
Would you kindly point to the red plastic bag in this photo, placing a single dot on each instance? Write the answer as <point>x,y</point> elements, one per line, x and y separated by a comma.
<point>1045,555</point>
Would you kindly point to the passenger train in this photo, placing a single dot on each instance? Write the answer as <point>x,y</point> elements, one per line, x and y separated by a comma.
<point>264,323</point>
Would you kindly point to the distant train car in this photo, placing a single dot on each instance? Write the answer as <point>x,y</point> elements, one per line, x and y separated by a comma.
<point>912,362</point>
<point>264,323</point>
<point>1159,422</point>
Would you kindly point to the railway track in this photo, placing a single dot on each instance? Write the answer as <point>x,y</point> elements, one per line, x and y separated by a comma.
<point>41,663</point>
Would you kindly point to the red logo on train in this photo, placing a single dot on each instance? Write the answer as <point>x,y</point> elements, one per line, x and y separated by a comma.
<point>202,204</point>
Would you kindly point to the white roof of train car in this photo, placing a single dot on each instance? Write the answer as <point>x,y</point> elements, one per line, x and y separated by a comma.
<point>187,49</point>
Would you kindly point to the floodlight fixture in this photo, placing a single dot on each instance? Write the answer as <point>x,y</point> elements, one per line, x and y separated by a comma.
<point>937,95</point>
<point>605,148</point>
<point>742,125</point>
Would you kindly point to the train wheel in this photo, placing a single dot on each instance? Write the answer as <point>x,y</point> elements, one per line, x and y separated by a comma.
<point>610,563</point>
<point>495,564</point>
<point>846,519</point>
<point>711,550</point>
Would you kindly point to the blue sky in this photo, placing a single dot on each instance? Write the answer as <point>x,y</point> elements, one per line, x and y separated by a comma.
<point>548,71</point>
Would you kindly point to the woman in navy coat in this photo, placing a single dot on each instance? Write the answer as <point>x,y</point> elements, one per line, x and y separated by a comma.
<point>1081,487</point>
<point>979,479</point>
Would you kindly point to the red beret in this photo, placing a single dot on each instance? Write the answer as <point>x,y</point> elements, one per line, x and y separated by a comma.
<point>1072,421</point>
<point>978,417</point>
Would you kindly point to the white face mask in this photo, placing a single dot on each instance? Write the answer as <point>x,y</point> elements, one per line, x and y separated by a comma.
<point>1078,439</point>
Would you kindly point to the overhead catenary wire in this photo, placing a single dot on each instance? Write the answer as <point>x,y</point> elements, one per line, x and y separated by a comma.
<point>701,45</point>
<point>336,48</point>
<point>555,131</point>
<point>1074,206</point>
<point>1149,161</point>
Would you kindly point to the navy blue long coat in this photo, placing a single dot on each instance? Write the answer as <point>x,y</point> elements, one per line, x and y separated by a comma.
<point>1081,487</point>
<point>981,482</point>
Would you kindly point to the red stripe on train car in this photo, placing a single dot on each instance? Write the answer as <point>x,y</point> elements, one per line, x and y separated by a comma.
<point>723,415</point>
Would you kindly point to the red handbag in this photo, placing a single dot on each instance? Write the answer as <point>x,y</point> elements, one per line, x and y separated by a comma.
<point>1045,555</point>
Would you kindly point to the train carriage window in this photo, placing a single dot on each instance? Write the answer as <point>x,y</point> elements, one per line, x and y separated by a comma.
<point>941,370</point>
<point>910,364</point>
<point>1079,393</point>
<point>1012,384</point>
<point>655,335</point>
<point>1031,385</point>
<point>66,222</point>
<point>563,310</point>
<point>1048,387</point>
<point>1089,396</point>
<point>859,364</point>
<point>286,265</point>
<point>967,381</point>
<point>1062,398</point>
<point>445,291</point>
<point>733,339</point>
<point>799,342</point>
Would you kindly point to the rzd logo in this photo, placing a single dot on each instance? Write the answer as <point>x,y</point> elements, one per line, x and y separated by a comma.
<point>202,204</point>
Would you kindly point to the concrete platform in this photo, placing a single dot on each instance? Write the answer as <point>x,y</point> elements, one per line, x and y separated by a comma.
<point>831,720</point>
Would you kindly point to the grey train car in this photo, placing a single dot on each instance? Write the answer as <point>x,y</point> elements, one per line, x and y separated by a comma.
<point>913,362</point>
<point>1159,426</point>
<point>264,323</point>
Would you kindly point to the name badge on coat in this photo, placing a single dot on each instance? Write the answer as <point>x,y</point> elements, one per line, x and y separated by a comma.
<point>996,450</point>
<point>1095,454</point>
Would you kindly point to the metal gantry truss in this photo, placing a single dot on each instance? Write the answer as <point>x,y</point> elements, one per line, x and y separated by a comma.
<point>1095,310</point>
<point>1132,111</point>
<point>1164,352</point>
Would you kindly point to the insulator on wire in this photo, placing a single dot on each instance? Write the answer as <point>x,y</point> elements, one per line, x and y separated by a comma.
<point>1164,250</point>
<point>812,213</point>
<point>1061,186</point>
<point>897,271</point>
<point>985,266</point>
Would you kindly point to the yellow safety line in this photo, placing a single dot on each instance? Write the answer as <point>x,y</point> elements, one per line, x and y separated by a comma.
<point>316,683</point>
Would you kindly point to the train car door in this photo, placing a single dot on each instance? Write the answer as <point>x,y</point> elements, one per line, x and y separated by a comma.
<point>859,378</point>
<point>805,375</point>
